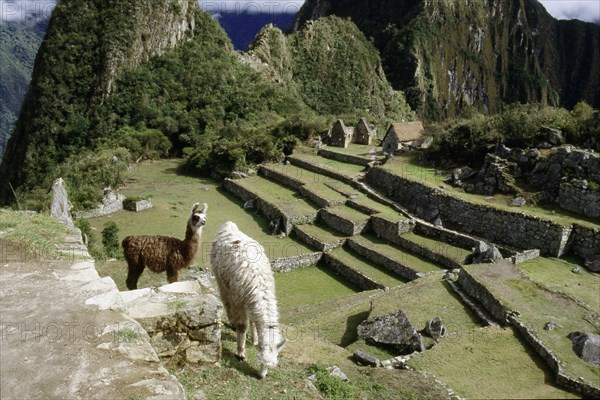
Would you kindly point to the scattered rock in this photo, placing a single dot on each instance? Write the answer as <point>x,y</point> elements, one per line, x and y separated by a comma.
<point>338,373</point>
<point>586,346</point>
<point>518,202</point>
<point>366,359</point>
<point>438,222</point>
<point>553,136</point>
<point>550,326</point>
<point>392,330</point>
<point>484,253</point>
<point>250,205</point>
<point>576,270</point>
<point>464,173</point>
<point>593,263</point>
<point>354,196</point>
<point>435,329</point>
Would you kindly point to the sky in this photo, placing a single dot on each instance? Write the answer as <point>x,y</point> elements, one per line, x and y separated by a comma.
<point>586,10</point>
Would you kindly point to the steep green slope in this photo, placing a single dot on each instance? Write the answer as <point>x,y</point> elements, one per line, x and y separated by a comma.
<point>119,82</point>
<point>450,56</point>
<point>332,65</point>
<point>19,43</point>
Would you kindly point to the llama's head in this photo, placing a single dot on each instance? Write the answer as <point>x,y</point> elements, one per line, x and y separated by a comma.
<point>198,217</point>
<point>270,354</point>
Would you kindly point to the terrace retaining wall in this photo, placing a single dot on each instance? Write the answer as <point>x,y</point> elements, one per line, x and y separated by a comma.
<point>347,227</point>
<point>510,228</point>
<point>321,169</point>
<point>315,242</point>
<point>287,264</point>
<point>388,263</point>
<point>350,274</point>
<point>585,241</point>
<point>345,158</point>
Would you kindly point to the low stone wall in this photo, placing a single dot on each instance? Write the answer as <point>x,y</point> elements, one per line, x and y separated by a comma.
<point>349,274</point>
<point>436,257</point>
<point>320,201</point>
<point>315,243</point>
<point>280,177</point>
<point>345,158</point>
<point>181,321</point>
<point>523,256</point>
<point>137,206</point>
<point>288,264</point>
<point>392,265</point>
<point>445,235</point>
<point>498,226</point>
<point>390,230</point>
<point>320,169</point>
<point>483,295</point>
<point>579,200</point>
<point>347,227</point>
<point>585,241</point>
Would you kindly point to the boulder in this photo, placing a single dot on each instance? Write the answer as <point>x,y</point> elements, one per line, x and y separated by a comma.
<point>61,207</point>
<point>550,326</point>
<point>484,253</point>
<point>435,329</point>
<point>586,346</point>
<point>593,263</point>
<point>393,331</point>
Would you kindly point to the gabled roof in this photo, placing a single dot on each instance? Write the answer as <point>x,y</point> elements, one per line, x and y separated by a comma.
<point>407,131</point>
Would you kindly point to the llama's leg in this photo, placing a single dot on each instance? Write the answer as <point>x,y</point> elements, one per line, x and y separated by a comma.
<point>253,334</point>
<point>172,275</point>
<point>241,340</point>
<point>133,275</point>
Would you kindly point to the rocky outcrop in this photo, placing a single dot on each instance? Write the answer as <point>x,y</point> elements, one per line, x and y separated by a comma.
<point>484,253</point>
<point>393,331</point>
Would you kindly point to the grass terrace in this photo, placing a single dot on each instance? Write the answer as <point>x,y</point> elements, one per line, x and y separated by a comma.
<point>348,170</point>
<point>416,262</point>
<point>359,150</point>
<point>538,306</point>
<point>457,254</point>
<point>409,167</point>
<point>558,275</point>
<point>369,269</point>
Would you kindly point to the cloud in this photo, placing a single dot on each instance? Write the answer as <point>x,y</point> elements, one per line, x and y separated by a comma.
<point>251,7</point>
<point>585,10</point>
<point>25,10</point>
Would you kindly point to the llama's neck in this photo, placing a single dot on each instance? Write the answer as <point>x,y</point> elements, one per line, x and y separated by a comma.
<point>191,243</point>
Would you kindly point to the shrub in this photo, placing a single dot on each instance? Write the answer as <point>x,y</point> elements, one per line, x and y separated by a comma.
<point>94,246</point>
<point>110,239</point>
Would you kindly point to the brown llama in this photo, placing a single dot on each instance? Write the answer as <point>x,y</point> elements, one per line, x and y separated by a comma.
<point>163,253</point>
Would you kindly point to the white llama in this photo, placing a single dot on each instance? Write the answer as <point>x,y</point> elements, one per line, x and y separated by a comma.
<point>245,280</point>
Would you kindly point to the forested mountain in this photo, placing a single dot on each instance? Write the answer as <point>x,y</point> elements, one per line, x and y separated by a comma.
<point>452,56</point>
<point>124,80</point>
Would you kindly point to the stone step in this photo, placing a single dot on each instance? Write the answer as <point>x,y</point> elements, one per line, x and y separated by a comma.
<point>435,250</point>
<point>319,237</point>
<point>401,262</point>
<point>360,271</point>
<point>273,201</point>
<point>322,195</point>
<point>344,219</point>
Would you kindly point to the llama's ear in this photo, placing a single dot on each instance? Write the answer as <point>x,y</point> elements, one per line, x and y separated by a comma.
<point>204,208</point>
<point>280,345</point>
<point>195,207</point>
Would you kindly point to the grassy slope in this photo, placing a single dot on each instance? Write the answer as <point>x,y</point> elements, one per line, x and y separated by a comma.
<point>173,196</point>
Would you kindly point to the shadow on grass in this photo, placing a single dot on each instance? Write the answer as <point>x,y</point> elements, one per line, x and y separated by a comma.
<point>350,335</point>
<point>230,359</point>
<point>472,316</point>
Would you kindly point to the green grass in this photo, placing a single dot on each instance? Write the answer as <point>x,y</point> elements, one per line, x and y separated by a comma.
<point>558,274</point>
<point>345,169</point>
<point>489,363</point>
<point>348,213</point>
<point>416,262</point>
<point>367,268</point>
<point>437,246</point>
<point>273,193</point>
<point>381,209</point>
<point>307,286</point>
<point>360,150</point>
<point>408,167</point>
<point>303,175</point>
<point>321,232</point>
<point>173,196</point>
<point>325,192</point>
<point>31,236</point>
<point>538,306</point>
